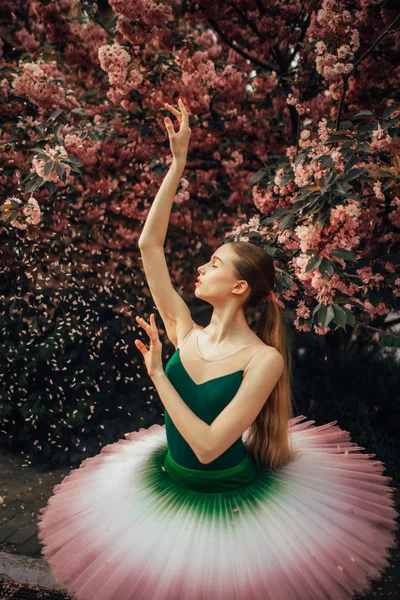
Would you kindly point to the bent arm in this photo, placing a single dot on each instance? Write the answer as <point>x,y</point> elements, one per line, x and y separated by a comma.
<point>194,430</point>
<point>155,228</point>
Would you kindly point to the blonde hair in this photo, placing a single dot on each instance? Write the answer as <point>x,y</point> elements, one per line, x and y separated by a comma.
<point>268,441</point>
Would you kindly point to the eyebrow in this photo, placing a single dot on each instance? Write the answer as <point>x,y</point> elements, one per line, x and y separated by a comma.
<point>215,256</point>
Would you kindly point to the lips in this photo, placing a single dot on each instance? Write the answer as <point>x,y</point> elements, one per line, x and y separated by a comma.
<point>198,280</point>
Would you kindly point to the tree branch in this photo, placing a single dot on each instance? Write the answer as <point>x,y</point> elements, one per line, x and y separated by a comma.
<point>386,333</point>
<point>232,44</point>
<point>346,77</point>
<point>376,41</point>
<point>261,7</point>
<point>248,22</point>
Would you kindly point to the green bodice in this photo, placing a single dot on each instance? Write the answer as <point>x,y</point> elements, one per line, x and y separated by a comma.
<point>206,400</point>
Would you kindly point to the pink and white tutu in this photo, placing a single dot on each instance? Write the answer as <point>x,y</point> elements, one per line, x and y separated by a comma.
<point>321,528</point>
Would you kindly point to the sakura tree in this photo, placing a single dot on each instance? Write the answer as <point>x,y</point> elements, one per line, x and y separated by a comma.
<point>295,141</point>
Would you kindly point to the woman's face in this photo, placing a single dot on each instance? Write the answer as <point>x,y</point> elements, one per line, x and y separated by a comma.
<point>216,276</point>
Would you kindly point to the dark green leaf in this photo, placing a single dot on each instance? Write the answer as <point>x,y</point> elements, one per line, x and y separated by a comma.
<point>54,114</point>
<point>50,187</point>
<point>326,268</point>
<point>351,162</point>
<point>393,258</point>
<point>342,300</point>
<point>257,176</point>
<point>299,157</point>
<point>389,110</point>
<point>75,161</point>
<point>48,167</point>
<point>351,320</point>
<point>338,138</point>
<point>313,262</point>
<point>327,161</point>
<point>286,282</point>
<point>286,222</point>
<point>353,174</point>
<point>60,169</point>
<point>321,316</point>
<point>389,341</point>
<point>342,253</point>
<point>366,129</point>
<point>329,314</point>
<point>374,296</point>
<point>281,211</point>
<point>316,309</point>
<point>362,115</point>
<point>31,185</point>
<point>270,250</point>
<point>339,316</point>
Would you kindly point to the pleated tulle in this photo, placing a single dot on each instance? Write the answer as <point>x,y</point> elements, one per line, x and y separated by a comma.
<point>120,528</point>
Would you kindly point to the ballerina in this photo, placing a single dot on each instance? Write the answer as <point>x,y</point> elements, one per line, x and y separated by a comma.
<point>232,498</point>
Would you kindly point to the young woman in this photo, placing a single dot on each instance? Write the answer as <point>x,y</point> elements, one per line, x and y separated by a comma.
<point>232,498</point>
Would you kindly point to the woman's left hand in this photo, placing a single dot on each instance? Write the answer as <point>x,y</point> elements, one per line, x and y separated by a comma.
<point>152,356</point>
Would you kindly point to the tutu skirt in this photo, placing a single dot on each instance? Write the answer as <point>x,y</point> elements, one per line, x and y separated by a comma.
<point>132,524</point>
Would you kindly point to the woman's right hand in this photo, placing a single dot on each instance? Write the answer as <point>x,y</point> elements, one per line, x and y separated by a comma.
<point>178,142</point>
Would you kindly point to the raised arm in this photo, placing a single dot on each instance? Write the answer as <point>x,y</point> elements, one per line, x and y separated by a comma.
<point>172,308</point>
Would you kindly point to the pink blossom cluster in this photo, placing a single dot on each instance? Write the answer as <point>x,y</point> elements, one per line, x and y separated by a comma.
<point>394,215</point>
<point>84,48</point>
<point>183,195</point>
<point>381,140</point>
<point>333,23</point>
<point>115,60</point>
<point>57,154</point>
<point>86,150</point>
<point>33,83</point>
<point>302,311</point>
<point>293,100</point>
<point>367,276</point>
<point>349,224</point>
<point>51,20</point>
<point>231,82</point>
<point>323,290</point>
<point>264,200</point>
<point>232,165</point>
<point>31,211</point>
<point>198,69</point>
<point>27,40</point>
<point>37,82</point>
<point>330,68</point>
<point>147,12</point>
<point>323,130</point>
<point>308,236</point>
<point>345,221</point>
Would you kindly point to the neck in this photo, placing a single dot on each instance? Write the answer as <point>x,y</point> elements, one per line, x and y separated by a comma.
<point>227,326</point>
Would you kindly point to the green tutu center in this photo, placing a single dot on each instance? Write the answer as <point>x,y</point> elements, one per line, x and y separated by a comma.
<point>211,481</point>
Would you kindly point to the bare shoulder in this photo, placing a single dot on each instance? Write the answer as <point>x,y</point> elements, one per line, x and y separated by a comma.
<point>268,351</point>
<point>266,357</point>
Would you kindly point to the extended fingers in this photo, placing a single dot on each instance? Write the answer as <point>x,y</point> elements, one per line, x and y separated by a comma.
<point>152,328</point>
<point>172,109</point>
<point>183,114</point>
